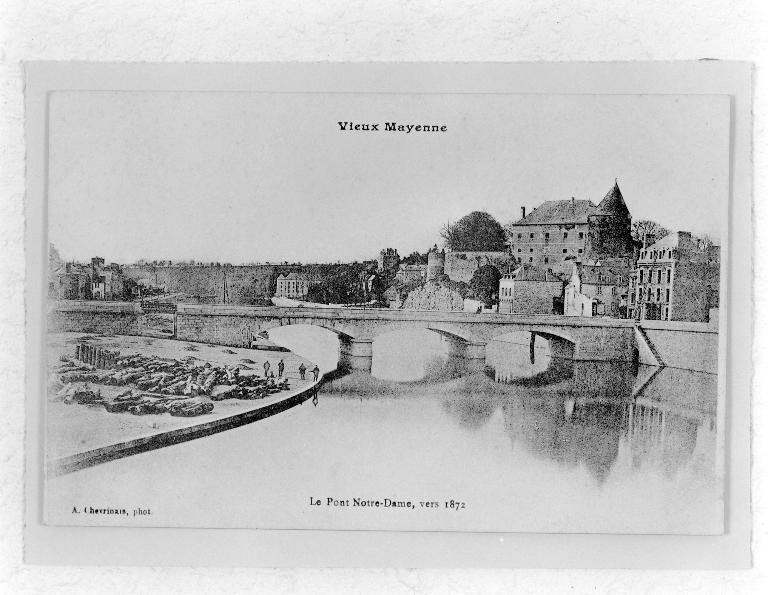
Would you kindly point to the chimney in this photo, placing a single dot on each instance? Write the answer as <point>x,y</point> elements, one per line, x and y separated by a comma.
<point>648,239</point>
<point>522,210</point>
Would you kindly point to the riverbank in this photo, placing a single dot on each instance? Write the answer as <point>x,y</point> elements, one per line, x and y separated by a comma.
<point>79,436</point>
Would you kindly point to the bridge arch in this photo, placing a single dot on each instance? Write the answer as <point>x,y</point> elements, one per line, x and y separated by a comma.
<point>560,347</point>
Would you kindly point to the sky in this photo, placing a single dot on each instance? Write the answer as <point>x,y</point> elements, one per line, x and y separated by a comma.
<point>271,177</point>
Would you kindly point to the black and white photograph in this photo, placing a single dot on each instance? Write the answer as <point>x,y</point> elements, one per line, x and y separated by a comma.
<point>464,312</point>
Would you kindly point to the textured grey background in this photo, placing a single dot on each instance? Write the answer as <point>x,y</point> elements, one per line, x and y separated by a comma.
<point>353,31</point>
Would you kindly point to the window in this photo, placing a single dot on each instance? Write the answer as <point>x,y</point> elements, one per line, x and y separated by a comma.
<point>667,295</point>
<point>546,259</point>
<point>519,249</point>
<point>658,276</point>
<point>658,295</point>
<point>519,236</point>
<point>565,235</point>
<point>565,250</point>
<point>648,295</point>
<point>613,291</point>
<point>642,274</point>
<point>632,299</point>
<point>666,313</point>
<point>531,236</point>
<point>530,259</point>
<point>580,250</point>
<point>669,275</point>
<point>546,236</point>
<point>599,289</point>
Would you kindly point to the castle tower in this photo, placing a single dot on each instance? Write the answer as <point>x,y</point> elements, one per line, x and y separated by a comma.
<point>388,261</point>
<point>435,264</point>
<point>610,227</point>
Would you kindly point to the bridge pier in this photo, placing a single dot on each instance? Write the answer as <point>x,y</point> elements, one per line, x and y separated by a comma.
<point>471,353</point>
<point>560,348</point>
<point>356,354</point>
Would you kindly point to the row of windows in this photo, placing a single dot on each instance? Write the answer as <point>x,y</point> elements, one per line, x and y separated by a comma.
<point>647,295</point>
<point>600,290</point>
<point>565,250</point>
<point>658,276</point>
<point>654,254</point>
<point>546,235</point>
<point>665,317</point>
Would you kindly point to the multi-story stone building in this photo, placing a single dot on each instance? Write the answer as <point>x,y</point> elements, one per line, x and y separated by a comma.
<point>292,285</point>
<point>107,282</point>
<point>70,281</point>
<point>677,278</point>
<point>598,288</point>
<point>531,290</point>
<point>409,273</point>
<point>560,229</point>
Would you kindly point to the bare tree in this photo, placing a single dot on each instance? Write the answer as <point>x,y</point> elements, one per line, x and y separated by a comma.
<point>643,227</point>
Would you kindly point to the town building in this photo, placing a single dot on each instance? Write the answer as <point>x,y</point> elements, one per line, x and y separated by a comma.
<point>107,282</point>
<point>292,285</point>
<point>676,278</point>
<point>531,290</point>
<point>598,288</point>
<point>410,273</point>
<point>559,229</point>
<point>70,281</point>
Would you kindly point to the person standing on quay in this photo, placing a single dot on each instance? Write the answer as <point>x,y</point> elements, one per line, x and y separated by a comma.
<point>316,371</point>
<point>302,370</point>
<point>266,368</point>
<point>280,368</point>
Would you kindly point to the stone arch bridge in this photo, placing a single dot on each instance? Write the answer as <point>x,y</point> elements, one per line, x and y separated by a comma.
<point>576,338</point>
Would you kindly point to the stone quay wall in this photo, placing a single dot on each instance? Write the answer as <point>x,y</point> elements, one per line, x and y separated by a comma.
<point>117,318</point>
<point>221,329</point>
<point>685,345</point>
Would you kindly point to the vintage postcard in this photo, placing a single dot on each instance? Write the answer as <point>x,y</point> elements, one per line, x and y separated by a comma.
<point>390,311</point>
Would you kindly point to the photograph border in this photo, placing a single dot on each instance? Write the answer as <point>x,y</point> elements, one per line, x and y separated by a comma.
<point>243,547</point>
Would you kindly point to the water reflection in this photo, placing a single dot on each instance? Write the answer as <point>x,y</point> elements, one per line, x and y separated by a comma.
<point>593,415</point>
<point>608,418</point>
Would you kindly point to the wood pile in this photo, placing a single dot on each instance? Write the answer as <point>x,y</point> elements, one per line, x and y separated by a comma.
<point>180,388</point>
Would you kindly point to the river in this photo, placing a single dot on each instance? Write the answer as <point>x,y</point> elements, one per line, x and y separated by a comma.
<point>533,444</point>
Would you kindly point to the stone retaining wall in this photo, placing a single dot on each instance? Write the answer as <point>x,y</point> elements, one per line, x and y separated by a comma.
<point>686,345</point>
<point>117,318</point>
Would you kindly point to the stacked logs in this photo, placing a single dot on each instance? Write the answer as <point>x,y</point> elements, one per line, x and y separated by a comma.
<point>166,385</point>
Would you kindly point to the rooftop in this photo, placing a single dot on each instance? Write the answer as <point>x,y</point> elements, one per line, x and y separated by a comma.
<point>293,276</point>
<point>559,211</point>
<point>576,211</point>
<point>529,272</point>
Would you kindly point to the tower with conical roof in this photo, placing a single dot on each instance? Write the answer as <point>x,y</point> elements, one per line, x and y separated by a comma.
<point>610,227</point>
